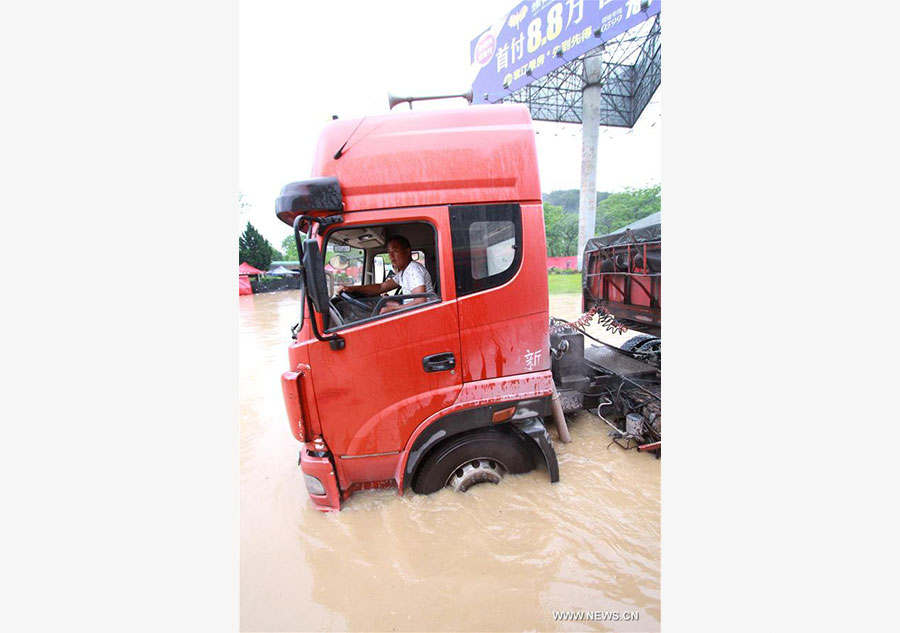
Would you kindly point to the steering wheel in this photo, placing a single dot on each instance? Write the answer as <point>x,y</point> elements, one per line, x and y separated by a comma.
<point>346,296</point>
<point>337,318</point>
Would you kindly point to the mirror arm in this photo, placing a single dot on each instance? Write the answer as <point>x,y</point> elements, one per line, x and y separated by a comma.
<point>328,220</point>
<point>323,221</point>
<point>297,234</point>
<point>336,342</point>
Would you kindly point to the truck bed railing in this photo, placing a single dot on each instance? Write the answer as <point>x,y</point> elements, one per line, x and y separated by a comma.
<point>627,278</point>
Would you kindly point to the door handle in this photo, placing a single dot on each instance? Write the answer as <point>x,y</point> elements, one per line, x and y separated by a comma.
<point>439,362</point>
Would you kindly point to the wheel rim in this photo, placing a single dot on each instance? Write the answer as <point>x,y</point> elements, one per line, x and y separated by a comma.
<point>476,471</point>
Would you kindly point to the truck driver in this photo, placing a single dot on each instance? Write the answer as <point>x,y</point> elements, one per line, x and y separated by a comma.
<point>411,276</point>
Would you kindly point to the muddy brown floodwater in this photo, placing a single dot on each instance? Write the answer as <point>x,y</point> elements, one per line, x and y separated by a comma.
<point>497,558</point>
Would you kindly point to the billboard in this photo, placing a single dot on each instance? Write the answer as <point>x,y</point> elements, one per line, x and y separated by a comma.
<point>538,36</point>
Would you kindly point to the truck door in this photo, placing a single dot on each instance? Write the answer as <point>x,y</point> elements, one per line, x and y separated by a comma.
<point>395,369</point>
<point>501,283</point>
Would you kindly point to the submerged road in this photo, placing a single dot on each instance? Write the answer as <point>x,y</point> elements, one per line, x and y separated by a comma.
<point>497,558</point>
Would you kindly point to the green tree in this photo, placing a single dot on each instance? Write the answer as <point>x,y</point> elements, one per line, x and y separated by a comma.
<point>289,246</point>
<point>621,209</point>
<point>569,199</point>
<point>254,249</point>
<point>561,229</point>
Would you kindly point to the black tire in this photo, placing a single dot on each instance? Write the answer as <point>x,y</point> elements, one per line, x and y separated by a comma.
<point>645,349</point>
<point>634,342</point>
<point>504,450</point>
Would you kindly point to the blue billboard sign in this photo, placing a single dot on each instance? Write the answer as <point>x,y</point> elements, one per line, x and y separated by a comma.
<point>538,36</point>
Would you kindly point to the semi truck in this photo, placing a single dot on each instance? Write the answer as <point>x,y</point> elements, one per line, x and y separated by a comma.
<point>459,387</point>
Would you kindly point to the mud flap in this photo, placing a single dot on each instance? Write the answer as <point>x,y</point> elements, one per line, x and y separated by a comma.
<point>534,428</point>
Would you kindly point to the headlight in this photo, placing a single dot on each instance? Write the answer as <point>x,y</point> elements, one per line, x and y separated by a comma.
<point>313,485</point>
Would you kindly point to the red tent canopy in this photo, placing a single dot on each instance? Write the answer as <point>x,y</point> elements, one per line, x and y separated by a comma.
<point>247,269</point>
<point>244,287</point>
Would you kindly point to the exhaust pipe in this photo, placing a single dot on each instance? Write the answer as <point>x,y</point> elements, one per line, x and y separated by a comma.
<point>561,427</point>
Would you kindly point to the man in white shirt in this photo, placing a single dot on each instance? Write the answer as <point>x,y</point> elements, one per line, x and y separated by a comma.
<point>411,276</point>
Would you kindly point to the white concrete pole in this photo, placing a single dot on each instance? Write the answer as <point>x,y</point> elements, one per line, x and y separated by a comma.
<point>590,133</point>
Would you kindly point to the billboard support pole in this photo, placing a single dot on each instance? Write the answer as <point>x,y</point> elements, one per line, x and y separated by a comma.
<point>590,134</point>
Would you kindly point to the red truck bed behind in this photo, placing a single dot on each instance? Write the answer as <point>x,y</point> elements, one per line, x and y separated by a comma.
<point>623,271</point>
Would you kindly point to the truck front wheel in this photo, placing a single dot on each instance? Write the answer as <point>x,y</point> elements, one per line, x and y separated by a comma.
<point>471,458</point>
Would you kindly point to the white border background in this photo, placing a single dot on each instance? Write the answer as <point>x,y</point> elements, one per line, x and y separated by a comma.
<point>120,445</point>
<point>119,457</point>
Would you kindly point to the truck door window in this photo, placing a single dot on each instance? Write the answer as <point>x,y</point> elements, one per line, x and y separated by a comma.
<point>496,240</point>
<point>487,245</point>
<point>370,265</point>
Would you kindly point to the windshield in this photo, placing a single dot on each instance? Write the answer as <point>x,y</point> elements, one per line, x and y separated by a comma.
<point>345,267</point>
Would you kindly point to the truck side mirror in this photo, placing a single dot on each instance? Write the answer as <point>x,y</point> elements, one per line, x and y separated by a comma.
<point>314,270</point>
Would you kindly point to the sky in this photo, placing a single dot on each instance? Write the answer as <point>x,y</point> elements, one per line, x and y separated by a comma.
<point>302,62</point>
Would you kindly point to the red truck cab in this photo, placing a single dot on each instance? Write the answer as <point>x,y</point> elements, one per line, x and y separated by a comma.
<point>450,391</point>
